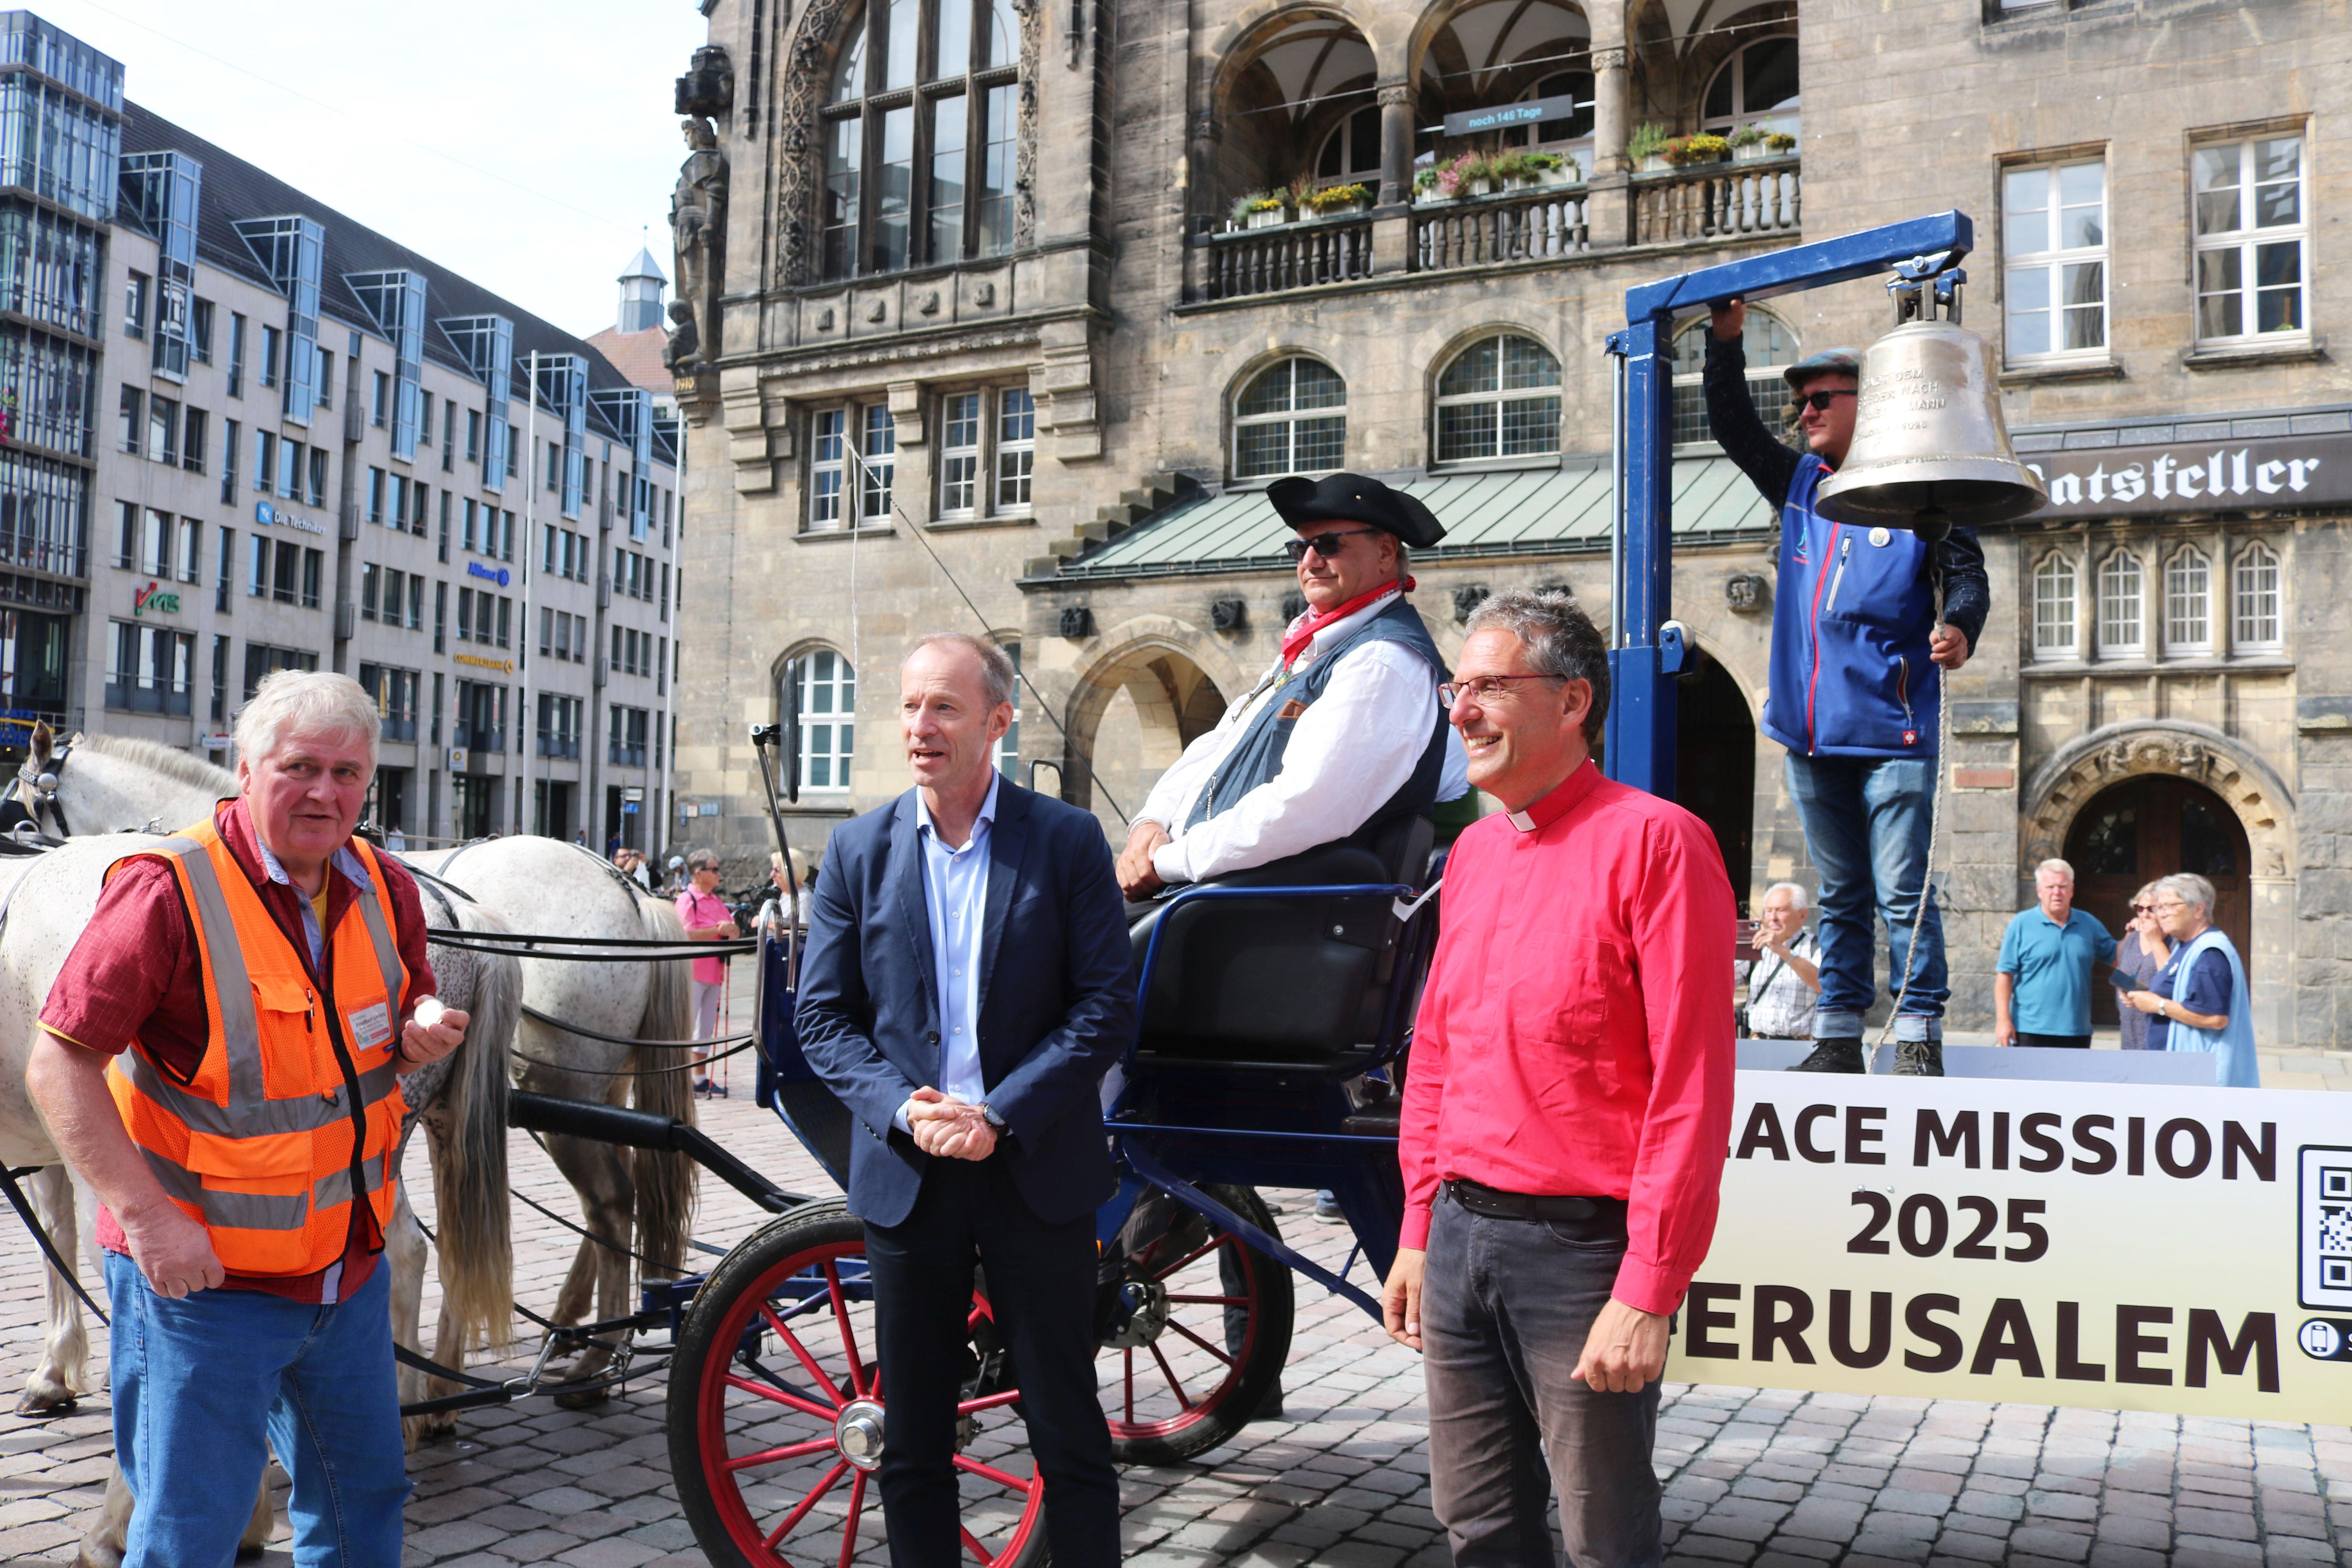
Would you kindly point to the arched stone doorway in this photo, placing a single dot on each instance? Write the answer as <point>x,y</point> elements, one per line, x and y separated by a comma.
<point>1130,720</point>
<point>2151,825</point>
<point>1715,766</point>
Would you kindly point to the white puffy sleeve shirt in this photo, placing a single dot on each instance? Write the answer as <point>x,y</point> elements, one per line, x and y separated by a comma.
<point>1349,752</point>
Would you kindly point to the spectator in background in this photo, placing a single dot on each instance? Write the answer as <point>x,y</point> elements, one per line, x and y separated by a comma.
<point>2042,986</point>
<point>2198,1000</point>
<point>707,919</point>
<point>2139,953</point>
<point>1785,982</point>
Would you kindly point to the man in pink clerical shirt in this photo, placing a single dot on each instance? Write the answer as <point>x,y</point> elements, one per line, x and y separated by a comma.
<point>1566,1111</point>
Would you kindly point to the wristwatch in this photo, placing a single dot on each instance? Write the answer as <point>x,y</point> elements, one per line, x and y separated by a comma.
<point>988,1113</point>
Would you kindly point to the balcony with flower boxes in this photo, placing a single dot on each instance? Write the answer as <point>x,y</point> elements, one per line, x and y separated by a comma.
<point>1554,216</point>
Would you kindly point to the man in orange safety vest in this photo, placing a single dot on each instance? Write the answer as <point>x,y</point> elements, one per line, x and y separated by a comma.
<point>220,1059</point>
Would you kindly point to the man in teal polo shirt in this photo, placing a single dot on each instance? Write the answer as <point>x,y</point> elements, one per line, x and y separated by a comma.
<point>2041,990</point>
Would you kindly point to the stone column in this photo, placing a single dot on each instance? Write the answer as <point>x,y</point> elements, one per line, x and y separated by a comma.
<point>1396,143</point>
<point>1609,210</point>
<point>1392,230</point>
<point>1609,206</point>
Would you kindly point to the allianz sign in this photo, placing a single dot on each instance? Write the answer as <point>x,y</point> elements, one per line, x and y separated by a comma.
<point>2200,477</point>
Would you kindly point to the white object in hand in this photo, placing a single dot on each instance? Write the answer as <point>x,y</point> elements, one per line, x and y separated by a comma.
<point>429,1012</point>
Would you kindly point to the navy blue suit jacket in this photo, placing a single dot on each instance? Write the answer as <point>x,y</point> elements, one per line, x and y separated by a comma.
<point>1057,1004</point>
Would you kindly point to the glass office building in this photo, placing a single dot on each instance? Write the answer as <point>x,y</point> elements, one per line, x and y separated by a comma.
<point>61,168</point>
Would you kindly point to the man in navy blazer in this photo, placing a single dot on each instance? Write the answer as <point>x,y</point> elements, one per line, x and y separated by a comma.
<point>968,982</point>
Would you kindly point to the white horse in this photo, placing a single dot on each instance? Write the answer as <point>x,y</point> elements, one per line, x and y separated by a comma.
<point>640,1200</point>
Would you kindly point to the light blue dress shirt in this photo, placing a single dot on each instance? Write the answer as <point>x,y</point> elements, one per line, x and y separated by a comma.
<point>955,900</point>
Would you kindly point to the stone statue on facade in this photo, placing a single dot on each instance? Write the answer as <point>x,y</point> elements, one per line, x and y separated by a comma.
<point>698,217</point>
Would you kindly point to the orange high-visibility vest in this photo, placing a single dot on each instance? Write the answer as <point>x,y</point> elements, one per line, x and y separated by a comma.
<point>258,1146</point>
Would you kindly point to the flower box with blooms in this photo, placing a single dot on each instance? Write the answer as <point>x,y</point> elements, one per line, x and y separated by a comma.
<point>1552,168</point>
<point>1647,148</point>
<point>1258,209</point>
<point>1705,149</point>
<point>1747,144</point>
<point>1427,189</point>
<point>1338,201</point>
<point>1779,143</point>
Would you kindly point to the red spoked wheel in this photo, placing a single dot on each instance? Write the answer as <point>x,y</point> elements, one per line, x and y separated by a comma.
<point>1196,1335</point>
<point>775,1412</point>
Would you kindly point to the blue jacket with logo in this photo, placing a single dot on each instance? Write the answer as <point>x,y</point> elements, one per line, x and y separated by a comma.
<point>1853,606</point>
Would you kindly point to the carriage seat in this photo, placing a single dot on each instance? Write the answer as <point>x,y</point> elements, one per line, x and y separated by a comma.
<point>1297,982</point>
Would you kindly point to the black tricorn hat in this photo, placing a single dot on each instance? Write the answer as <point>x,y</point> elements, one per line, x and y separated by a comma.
<point>1352,498</point>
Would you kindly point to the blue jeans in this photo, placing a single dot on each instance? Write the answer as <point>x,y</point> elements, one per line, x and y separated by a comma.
<point>199,1382</point>
<point>1867,828</point>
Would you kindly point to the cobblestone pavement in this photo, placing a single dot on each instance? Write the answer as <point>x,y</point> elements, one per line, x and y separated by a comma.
<point>1771,1479</point>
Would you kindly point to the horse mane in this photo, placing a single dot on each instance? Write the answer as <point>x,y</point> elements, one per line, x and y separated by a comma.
<point>156,757</point>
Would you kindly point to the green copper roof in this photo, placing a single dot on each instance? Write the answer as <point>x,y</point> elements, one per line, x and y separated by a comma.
<point>1549,512</point>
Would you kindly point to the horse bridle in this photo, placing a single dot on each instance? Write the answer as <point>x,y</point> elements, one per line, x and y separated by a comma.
<point>37,787</point>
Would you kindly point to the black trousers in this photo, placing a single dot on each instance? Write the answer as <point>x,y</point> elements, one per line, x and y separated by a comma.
<point>1041,1287</point>
<point>2056,1042</point>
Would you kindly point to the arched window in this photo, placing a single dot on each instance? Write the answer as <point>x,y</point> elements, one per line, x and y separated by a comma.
<point>2258,626</point>
<point>1292,418</point>
<point>918,136</point>
<point>2123,597</point>
<point>1757,86</point>
<point>1769,346</point>
<point>1352,152</point>
<point>2053,607</point>
<point>1498,398</point>
<point>2189,602</point>
<point>822,689</point>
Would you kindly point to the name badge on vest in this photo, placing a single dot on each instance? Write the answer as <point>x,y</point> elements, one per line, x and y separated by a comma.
<point>373,1026</point>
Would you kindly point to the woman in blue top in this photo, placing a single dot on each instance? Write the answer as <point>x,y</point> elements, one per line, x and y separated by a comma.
<point>2198,1001</point>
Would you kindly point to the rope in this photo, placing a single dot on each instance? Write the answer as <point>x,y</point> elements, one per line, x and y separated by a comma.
<point>673,1067</point>
<point>696,949</point>
<point>532,1012</point>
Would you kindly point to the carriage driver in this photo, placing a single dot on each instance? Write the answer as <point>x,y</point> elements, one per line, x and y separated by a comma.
<point>219,1060</point>
<point>1343,733</point>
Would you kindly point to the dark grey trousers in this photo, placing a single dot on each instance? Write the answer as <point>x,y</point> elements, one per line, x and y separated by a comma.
<point>1506,1306</point>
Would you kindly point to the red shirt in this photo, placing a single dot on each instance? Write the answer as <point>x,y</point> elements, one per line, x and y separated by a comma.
<point>1575,1037</point>
<point>134,974</point>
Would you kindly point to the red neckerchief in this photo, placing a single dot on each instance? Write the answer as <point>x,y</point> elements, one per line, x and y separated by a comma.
<point>1295,640</point>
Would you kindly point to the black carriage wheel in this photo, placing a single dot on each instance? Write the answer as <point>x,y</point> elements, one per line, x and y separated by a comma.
<point>1202,1339</point>
<point>774,1412</point>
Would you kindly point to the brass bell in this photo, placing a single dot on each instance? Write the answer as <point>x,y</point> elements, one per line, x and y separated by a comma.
<point>1929,449</point>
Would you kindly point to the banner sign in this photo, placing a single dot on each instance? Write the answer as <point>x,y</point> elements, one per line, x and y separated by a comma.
<point>2195,475</point>
<point>1470,121</point>
<point>2115,1247</point>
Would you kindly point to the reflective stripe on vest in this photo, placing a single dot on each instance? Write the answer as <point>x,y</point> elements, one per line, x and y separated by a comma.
<point>270,1175</point>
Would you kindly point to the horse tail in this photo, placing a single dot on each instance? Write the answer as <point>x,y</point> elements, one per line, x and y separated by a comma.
<point>476,1245</point>
<point>662,1083</point>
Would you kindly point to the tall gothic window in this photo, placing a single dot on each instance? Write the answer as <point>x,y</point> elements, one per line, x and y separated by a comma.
<point>918,136</point>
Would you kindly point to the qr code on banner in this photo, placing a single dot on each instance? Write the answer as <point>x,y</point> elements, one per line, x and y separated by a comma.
<point>2325,1223</point>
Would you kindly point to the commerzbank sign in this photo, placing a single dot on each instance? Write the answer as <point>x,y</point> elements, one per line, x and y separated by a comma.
<point>2286,471</point>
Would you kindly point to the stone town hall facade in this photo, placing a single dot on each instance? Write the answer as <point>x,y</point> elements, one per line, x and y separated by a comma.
<point>973,288</point>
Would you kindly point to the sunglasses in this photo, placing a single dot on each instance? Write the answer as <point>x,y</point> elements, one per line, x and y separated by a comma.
<point>2143,909</point>
<point>1819,402</point>
<point>1327,545</point>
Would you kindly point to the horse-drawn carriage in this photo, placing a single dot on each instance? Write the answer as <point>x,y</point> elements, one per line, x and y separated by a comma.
<point>1276,1010</point>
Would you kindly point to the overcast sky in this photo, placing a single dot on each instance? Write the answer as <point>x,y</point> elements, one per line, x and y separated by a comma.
<point>556,114</point>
